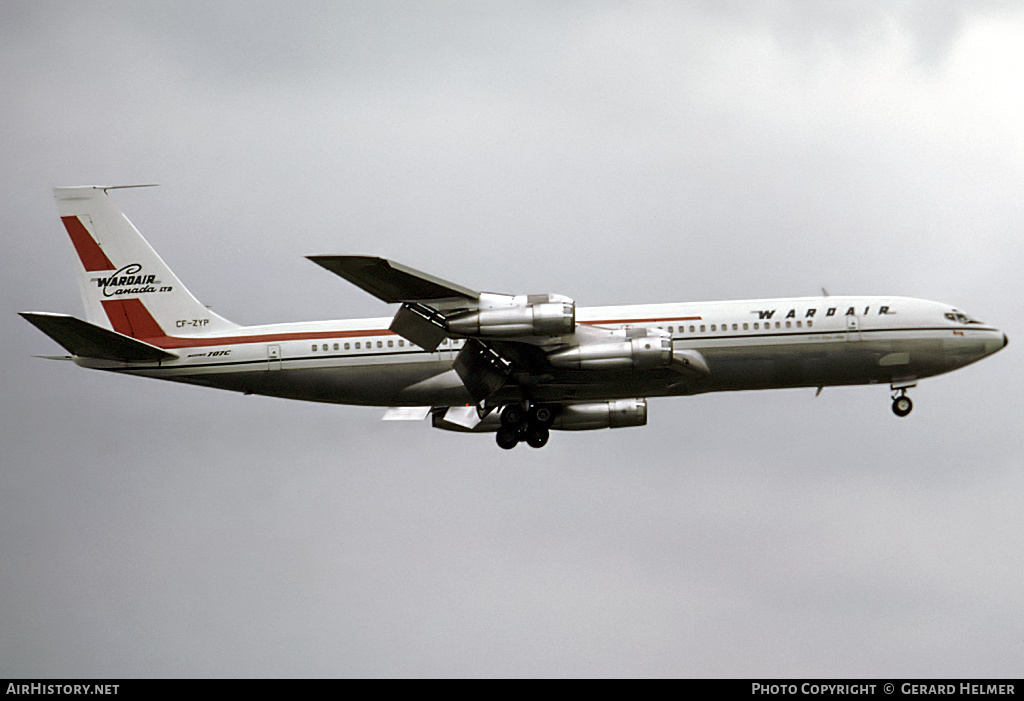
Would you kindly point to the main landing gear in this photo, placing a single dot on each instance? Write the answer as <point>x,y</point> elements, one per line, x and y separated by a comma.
<point>901,404</point>
<point>531,424</point>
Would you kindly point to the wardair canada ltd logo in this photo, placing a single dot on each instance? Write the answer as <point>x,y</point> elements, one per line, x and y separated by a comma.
<point>129,280</point>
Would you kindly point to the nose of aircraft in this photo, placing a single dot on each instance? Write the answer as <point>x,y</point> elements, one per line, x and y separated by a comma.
<point>994,342</point>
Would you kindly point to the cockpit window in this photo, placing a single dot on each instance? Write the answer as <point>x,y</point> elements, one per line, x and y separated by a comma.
<point>961,318</point>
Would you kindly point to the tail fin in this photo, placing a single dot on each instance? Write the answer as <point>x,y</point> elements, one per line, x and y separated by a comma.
<point>125,285</point>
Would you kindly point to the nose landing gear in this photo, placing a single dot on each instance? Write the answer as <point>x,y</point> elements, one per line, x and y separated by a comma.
<point>901,404</point>
<point>519,424</point>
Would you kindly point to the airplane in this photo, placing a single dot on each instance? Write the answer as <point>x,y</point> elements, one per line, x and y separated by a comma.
<point>518,366</point>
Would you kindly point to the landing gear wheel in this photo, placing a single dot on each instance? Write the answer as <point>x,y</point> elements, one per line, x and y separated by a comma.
<point>513,416</point>
<point>537,436</point>
<point>508,437</point>
<point>901,405</point>
<point>541,415</point>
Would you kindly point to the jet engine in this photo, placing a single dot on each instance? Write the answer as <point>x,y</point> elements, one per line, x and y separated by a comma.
<point>619,413</point>
<point>538,315</point>
<point>581,416</point>
<point>636,353</point>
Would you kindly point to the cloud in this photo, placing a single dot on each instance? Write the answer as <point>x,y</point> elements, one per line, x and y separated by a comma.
<point>615,153</point>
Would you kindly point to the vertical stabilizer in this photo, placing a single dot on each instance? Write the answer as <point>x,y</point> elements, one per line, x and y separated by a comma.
<point>125,285</point>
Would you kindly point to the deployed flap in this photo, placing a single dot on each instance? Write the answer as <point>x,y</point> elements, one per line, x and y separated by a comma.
<point>481,368</point>
<point>406,413</point>
<point>91,341</point>
<point>419,324</point>
<point>391,281</point>
<point>465,416</point>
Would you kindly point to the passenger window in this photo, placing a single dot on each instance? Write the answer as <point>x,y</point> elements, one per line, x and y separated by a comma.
<point>325,346</point>
<point>746,327</point>
<point>692,329</point>
<point>713,327</point>
<point>314,348</point>
<point>336,346</point>
<point>702,328</point>
<point>401,343</point>
<point>347,346</point>
<point>735,327</point>
<point>357,345</point>
<point>757,326</point>
<point>778,325</point>
<point>789,324</point>
<point>810,322</point>
<point>799,324</point>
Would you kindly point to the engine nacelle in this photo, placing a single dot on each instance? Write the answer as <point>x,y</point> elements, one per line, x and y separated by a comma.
<point>587,416</point>
<point>636,353</point>
<point>540,318</point>
<point>580,416</point>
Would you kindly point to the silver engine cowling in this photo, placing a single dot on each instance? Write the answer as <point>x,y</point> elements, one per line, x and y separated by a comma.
<point>644,353</point>
<point>620,413</point>
<point>580,416</point>
<point>538,315</point>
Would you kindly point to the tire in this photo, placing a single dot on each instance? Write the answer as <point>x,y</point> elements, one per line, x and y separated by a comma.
<point>513,416</point>
<point>901,406</point>
<point>542,415</point>
<point>508,437</point>
<point>537,436</point>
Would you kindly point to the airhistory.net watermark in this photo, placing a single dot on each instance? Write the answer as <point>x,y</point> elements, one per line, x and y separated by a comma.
<point>64,689</point>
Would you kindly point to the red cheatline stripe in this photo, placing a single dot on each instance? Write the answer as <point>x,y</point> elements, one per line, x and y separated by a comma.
<point>90,253</point>
<point>642,321</point>
<point>130,317</point>
<point>185,342</point>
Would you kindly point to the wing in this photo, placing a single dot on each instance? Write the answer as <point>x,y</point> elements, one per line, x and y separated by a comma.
<point>391,281</point>
<point>521,340</point>
<point>426,300</point>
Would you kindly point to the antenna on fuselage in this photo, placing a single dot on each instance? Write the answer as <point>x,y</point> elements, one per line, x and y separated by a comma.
<point>126,187</point>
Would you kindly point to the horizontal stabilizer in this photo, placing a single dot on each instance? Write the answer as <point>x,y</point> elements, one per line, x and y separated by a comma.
<point>391,281</point>
<point>91,341</point>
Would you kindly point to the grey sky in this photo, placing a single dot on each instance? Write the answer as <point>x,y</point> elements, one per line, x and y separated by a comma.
<point>614,152</point>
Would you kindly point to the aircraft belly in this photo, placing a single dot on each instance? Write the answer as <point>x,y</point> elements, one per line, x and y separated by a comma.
<point>823,364</point>
<point>413,383</point>
<point>430,379</point>
<point>376,385</point>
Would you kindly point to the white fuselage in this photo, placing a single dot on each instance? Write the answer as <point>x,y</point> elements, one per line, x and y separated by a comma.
<point>749,344</point>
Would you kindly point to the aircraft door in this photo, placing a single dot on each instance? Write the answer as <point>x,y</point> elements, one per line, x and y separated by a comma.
<point>446,351</point>
<point>852,327</point>
<point>274,357</point>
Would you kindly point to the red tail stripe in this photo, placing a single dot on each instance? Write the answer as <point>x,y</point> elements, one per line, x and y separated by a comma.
<point>90,253</point>
<point>130,317</point>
